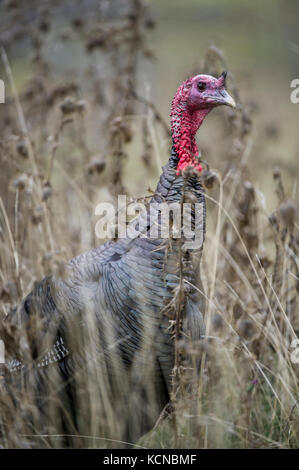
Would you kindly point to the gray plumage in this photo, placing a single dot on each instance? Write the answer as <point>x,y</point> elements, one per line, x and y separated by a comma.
<point>107,317</point>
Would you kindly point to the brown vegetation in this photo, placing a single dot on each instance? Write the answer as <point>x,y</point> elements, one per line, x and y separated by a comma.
<point>64,148</point>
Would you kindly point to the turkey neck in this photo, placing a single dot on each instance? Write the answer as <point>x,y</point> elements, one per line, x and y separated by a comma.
<point>185,123</point>
<point>184,152</point>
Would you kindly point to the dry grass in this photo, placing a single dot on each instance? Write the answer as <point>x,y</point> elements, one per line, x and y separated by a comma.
<point>52,177</point>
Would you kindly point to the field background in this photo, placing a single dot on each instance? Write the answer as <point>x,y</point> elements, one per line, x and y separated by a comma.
<point>72,135</point>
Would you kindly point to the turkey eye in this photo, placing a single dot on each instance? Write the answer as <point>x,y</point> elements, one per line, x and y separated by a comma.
<point>201,86</point>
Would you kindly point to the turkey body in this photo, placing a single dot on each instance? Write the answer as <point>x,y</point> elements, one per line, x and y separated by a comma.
<point>99,341</point>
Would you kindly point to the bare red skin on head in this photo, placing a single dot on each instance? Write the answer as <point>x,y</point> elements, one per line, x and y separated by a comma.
<point>185,122</point>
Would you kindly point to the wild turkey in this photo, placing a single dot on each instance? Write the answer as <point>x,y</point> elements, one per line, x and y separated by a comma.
<point>98,342</point>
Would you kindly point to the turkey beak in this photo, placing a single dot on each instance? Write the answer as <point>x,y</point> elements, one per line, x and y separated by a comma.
<point>224,98</point>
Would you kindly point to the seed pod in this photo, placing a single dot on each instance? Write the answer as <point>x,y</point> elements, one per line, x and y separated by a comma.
<point>237,148</point>
<point>149,23</point>
<point>9,291</point>
<point>190,197</point>
<point>273,219</point>
<point>248,186</point>
<point>20,182</point>
<point>37,215</point>
<point>127,132</point>
<point>93,43</point>
<point>47,192</point>
<point>208,178</point>
<point>272,131</point>
<point>148,53</point>
<point>81,106</point>
<point>287,211</point>
<point>237,311</point>
<point>217,322</point>
<point>265,261</point>
<point>147,157</point>
<point>276,173</point>
<point>77,23</point>
<point>97,164</point>
<point>246,329</point>
<point>251,236</point>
